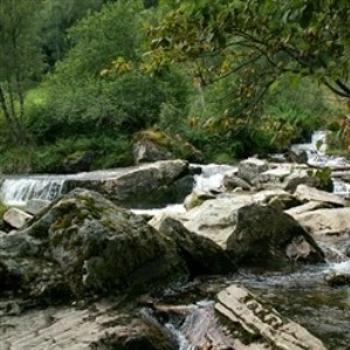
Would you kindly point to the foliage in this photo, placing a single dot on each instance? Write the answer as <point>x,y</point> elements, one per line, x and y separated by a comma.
<point>20,61</point>
<point>258,39</point>
<point>57,17</point>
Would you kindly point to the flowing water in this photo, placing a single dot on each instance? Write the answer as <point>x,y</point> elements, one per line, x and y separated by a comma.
<point>303,295</point>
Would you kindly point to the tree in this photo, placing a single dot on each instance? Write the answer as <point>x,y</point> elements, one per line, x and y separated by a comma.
<point>20,60</point>
<point>58,16</point>
<point>257,42</point>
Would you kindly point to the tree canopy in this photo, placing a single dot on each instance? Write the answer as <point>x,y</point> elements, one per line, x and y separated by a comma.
<point>261,40</point>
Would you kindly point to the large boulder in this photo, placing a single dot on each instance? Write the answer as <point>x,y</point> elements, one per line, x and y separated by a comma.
<point>251,168</point>
<point>252,233</point>
<point>96,246</point>
<point>146,185</point>
<point>16,218</point>
<point>202,255</point>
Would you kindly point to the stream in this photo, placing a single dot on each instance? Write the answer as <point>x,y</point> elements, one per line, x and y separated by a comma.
<point>300,294</point>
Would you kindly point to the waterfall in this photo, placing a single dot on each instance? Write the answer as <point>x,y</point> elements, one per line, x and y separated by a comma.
<point>17,191</point>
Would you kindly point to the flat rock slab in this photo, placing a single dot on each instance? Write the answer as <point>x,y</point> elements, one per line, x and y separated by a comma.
<point>98,327</point>
<point>326,224</point>
<point>256,320</point>
<point>306,193</point>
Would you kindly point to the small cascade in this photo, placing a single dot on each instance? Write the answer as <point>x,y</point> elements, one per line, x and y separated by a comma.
<point>17,191</point>
<point>211,177</point>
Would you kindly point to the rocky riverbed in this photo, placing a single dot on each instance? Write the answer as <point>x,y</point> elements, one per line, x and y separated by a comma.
<point>171,255</point>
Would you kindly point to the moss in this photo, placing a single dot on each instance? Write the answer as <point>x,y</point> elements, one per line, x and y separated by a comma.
<point>158,137</point>
<point>3,209</point>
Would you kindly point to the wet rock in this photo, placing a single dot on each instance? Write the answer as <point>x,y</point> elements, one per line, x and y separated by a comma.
<point>250,168</point>
<point>329,225</point>
<point>307,207</point>
<point>147,151</point>
<point>34,206</point>
<point>197,198</point>
<point>145,185</point>
<point>305,194</point>
<point>102,248</point>
<point>347,251</point>
<point>99,326</point>
<point>231,182</point>
<point>260,327</point>
<point>273,177</point>
<point>202,255</point>
<point>337,278</point>
<point>16,218</point>
<point>252,233</point>
<point>82,245</point>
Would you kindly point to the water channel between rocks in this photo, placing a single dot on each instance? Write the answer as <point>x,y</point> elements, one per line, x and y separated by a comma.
<point>301,295</point>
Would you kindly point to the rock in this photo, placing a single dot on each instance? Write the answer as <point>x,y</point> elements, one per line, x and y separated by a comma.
<point>297,156</point>
<point>25,269</point>
<point>101,248</point>
<point>347,251</point>
<point>197,198</point>
<point>201,254</point>
<point>273,177</point>
<point>307,207</point>
<point>77,162</point>
<point>231,182</point>
<point>100,326</point>
<point>252,233</point>
<point>337,278</point>
<point>320,179</point>
<point>260,327</point>
<point>16,218</point>
<point>250,168</point>
<point>305,194</point>
<point>147,185</point>
<point>148,151</point>
<point>34,206</point>
<point>327,225</point>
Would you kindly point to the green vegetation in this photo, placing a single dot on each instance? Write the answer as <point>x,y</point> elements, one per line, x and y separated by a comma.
<point>210,80</point>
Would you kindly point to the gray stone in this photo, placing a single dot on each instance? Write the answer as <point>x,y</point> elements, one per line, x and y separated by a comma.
<point>231,182</point>
<point>251,168</point>
<point>252,233</point>
<point>102,325</point>
<point>201,254</point>
<point>297,156</point>
<point>103,248</point>
<point>259,326</point>
<point>136,186</point>
<point>16,218</point>
<point>77,162</point>
<point>147,151</point>
<point>306,194</point>
<point>197,198</point>
<point>34,206</point>
<point>328,225</point>
<point>337,278</point>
